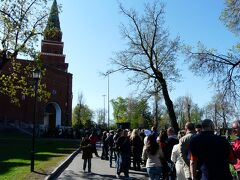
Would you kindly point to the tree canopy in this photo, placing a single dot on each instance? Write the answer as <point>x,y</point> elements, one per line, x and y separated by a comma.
<point>230,16</point>
<point>132,110</point>
<point>21,25</point>
<point>82,114</point>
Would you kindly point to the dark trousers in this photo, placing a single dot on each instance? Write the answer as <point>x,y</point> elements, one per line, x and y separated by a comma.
<point>85,162</point>
<point>104,152</point>
<point>238,174</point>
<point>117,163</point>
<point>95,149</point>
<point>111,154</point>
<point>136,162</point>
<point>124,162</point>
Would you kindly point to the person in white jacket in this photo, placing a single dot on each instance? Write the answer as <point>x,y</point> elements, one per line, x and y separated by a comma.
<point>153,153</point>
<point>177,159</point>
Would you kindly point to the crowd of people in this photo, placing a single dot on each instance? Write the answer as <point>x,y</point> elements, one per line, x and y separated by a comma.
<point>193,153</point>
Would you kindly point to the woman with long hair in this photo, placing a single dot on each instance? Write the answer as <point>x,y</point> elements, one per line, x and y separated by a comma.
<point>162,141</point>
<point>136,148</point>
<point>154,155</point>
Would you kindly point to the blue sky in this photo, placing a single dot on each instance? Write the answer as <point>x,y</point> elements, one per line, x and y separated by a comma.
<point>91,35</point>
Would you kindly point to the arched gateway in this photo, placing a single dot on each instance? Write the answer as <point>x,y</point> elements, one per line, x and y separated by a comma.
<point>52,115</point>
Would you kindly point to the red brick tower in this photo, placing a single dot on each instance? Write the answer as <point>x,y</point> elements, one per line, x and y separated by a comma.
<point>57,112</point>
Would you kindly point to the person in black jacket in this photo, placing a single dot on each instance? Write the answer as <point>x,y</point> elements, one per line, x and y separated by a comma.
<point>136,147</point>
<point>213,153</point>
<point>124,148</point>
<point>110,143</point>
<point>104,155</point>
<point>86,148</point>
<point>115,139</point>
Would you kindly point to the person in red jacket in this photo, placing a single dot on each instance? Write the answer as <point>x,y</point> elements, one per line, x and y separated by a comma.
<point>93,140</point>
<point>236,145</point>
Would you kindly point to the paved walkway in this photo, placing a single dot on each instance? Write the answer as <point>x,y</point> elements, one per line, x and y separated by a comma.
<point>100,170</point>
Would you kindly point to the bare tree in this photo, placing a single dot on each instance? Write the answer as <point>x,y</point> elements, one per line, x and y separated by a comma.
<point>179,110</point>
<point>100,117</point>
<point>150,55</point>
<point>220,110</point>
<point>81,99</point>
<point>187,111</point>
<point>82,114</point>
<point>222,69</point>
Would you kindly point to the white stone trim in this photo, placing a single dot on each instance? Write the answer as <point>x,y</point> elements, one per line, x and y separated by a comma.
<point>53,43</point>
<point>52,54</point>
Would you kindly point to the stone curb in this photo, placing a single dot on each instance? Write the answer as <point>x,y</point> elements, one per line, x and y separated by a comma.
<point>62,166</point>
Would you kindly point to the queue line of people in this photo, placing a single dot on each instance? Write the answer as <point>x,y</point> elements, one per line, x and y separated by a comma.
<point>195,153</point>
<point>138,145</point>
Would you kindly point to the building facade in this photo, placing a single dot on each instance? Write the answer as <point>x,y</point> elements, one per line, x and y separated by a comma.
<point>57,111</point>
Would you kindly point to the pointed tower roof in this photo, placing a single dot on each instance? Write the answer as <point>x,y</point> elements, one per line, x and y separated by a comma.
<point>53,30</point>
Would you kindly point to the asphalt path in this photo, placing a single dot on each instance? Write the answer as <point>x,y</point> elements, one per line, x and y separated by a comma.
<point>100,170</point>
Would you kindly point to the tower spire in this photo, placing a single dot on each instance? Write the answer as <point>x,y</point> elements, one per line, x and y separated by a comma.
<point>53,31</point>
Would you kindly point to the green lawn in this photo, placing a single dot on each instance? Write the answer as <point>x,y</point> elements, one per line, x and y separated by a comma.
<point>15,148</point>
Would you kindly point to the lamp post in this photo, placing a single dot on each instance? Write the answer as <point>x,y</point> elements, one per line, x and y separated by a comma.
<point>104,113</point>
<point>189,115</point>
<point>36,74</point>
<point>108,102</point>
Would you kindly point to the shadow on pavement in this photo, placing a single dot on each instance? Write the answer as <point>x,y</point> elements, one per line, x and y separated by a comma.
<point>97,176</point>
<point>42,173</point>
<point>72,175</point>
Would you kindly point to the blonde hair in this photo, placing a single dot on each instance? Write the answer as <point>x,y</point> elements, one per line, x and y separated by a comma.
<point>134,134</point>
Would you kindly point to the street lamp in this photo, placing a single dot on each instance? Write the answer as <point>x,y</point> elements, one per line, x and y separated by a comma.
<point>104,113</point>
<point>108,102</point>
<point>36,75</point>
<point>189,116</point>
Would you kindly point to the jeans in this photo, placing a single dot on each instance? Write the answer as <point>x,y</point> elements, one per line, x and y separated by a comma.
<point>124,161</point>
<point>118,165</point>
<point>111,153</point>
<point>85,162</point>
<point>154,173</point>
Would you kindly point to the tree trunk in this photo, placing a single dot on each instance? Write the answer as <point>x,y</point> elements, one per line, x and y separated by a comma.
<point>168,102</point>
<point>3,58</point>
